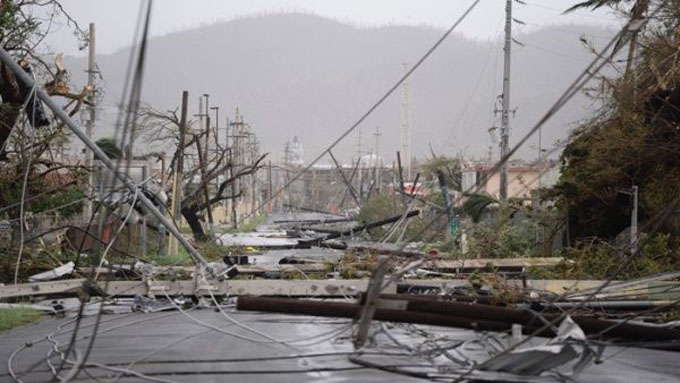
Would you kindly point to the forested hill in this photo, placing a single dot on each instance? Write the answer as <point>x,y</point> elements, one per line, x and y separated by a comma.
<point>304,75</point>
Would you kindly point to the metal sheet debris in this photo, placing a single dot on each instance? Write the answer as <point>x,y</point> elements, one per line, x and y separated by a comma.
<point>55,273</point>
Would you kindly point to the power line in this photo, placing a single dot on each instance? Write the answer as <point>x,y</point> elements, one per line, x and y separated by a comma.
<point>481,76</point>
<point>373,107</point>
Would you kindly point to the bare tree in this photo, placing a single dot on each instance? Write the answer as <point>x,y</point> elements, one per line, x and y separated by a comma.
<point>163,129</point>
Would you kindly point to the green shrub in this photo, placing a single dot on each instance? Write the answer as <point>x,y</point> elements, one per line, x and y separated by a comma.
<point>596,259</point>
<point>500,237</point>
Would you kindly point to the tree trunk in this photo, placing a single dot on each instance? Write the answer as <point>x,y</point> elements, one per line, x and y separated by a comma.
<point>10,108</point>
<point>191,215</point>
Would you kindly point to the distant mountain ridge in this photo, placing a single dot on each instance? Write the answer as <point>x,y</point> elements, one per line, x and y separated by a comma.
<point>304,75</point>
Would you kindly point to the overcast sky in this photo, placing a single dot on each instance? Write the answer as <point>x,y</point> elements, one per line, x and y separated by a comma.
<point>115,19</point>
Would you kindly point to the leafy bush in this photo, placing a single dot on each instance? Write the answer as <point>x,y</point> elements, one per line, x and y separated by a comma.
<point>595,259</point>
<point>501,236</point>
<point>418,228</point>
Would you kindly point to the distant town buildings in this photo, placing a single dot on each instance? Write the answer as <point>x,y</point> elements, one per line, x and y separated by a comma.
<point>523,178</point>
<point>293,153</point>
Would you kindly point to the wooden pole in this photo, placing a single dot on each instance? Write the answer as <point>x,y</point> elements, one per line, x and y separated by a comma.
<point>401,173</point>
<point>89,159</point>
<point>177,179</point>
<point>270,192</point>
<point>371,301</point>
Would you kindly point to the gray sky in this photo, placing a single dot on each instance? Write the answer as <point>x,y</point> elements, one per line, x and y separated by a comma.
<point>116,19</point>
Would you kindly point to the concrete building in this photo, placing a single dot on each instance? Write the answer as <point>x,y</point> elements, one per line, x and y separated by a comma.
<point>523,178</point>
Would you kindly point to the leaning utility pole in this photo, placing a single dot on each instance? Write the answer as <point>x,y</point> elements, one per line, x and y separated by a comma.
<point>11,64</point>
<point>89,159</point>
<point>505,113</point>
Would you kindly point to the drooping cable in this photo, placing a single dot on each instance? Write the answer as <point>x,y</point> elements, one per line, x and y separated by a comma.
<point>370,110</point>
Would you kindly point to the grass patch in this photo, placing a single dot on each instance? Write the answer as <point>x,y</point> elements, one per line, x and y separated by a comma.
<point>249,225</point>
<point>210,250</point>
<point>671,316</point>
<point>179,259</point>
<point>13,317</point>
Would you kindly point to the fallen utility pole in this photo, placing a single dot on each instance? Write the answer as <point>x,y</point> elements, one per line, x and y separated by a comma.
<point>626,284</point>
<point>462,315</point>
<point>589,325</point>
<point>352,310</point>
<point>371,300</point>
<point>361,228</point>
<point>420,199</point>
<point>22,76</point>
<point>373,225</point>
<point>306,288</point>
<point>351,190</point>
<point>312,221</point>
<point>301,208</point>
<point>377,247</point>
<point>351,179</point>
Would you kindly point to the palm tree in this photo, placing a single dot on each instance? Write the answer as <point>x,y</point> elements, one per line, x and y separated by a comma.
<point>476,204</point>
<point>636,13</point>
<point>110,148</point>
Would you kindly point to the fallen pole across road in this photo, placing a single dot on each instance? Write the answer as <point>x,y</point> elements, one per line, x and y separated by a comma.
<point>461,315</point>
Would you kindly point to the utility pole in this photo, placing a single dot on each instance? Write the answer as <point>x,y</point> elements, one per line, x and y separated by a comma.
<point>206,112</point>
<point>206,195</point>
<point>179,165</point>
<point>89,161</point>
<point>142,228</point>
<point>270,191</point>
<point>360,181</point>
<point>634,221</point>
<point>405,136</point>
<point>253,148</point>
<point>505,113</point>
<point>378,160</point>
<point>203,152</point>
<point>540,156</point>
<point>129,184</point>
<point>235,157</point>
<point>217,126</point>
<point>232,201</point>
